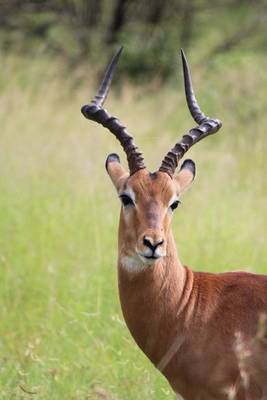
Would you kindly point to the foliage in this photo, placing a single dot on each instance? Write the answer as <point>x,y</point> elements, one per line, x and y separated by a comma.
<point>150,31</point>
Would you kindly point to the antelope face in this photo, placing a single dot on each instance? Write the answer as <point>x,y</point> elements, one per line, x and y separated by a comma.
<point>148,203</point>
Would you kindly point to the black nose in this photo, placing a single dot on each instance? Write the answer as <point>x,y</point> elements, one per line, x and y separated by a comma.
<point>152,245</point>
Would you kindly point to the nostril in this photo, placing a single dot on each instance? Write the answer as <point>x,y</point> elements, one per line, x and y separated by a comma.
<point>160,242</point>
<point>147,242</point>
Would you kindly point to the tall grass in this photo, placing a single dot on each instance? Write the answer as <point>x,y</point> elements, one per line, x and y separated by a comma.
<point>62,335</point>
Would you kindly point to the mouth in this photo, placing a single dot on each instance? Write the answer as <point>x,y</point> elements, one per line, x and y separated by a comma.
<point>154,257</point>
<point>149,259</point>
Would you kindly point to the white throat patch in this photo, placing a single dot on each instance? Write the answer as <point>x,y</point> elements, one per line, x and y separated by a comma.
<point>134,264</point>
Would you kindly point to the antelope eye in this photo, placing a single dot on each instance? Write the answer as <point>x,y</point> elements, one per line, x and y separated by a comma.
<point>175,204</point>
<point>126,200</point>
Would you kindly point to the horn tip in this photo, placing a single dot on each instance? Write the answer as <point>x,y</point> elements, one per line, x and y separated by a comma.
<point>184,60</point>
<point>117,55</point>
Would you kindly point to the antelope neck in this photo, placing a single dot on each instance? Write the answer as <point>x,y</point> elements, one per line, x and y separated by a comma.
<point>153,302</point>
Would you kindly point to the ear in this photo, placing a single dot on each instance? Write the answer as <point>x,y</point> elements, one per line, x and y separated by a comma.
<point>117,173</point>
<point>186,175</point>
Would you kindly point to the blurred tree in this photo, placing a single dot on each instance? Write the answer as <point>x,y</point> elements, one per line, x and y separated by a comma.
<point>187,9</point>
<point>156,11</point>
<point>117,21</point>
<point>151,31</point>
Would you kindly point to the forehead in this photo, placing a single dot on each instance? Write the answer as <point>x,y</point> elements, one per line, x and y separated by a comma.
<point>157,185</point>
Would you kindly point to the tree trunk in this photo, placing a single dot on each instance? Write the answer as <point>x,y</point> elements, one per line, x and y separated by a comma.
<point>188,16</point>
<point>117,22</point>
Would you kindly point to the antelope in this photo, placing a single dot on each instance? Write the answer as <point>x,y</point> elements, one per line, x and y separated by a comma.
<point>205,332</point>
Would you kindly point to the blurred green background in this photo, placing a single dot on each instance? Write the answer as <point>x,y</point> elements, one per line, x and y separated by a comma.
<point>62,335</point>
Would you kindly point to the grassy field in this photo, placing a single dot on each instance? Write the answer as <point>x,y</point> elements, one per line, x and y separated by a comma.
<point>62,335</point>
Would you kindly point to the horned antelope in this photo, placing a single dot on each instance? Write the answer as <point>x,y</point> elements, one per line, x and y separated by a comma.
<point>201,330</point>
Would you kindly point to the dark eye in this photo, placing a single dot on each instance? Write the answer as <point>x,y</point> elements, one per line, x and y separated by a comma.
<point>126,200</point>
<point>175,204</point>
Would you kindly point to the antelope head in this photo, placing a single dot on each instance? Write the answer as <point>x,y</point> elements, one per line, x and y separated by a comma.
<point>148,199</point>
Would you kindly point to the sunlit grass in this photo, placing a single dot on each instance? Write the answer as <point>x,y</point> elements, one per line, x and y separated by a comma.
<point>62,335</point>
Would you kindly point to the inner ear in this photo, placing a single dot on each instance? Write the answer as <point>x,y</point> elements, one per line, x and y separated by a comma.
<point>117,173</point>
<point>186,175</point>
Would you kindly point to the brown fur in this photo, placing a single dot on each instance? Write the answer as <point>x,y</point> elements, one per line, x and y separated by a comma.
<point>200,329</point>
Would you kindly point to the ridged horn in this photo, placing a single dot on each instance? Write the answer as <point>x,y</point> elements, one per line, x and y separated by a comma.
<point>206,126</point>
<point>95,112</point>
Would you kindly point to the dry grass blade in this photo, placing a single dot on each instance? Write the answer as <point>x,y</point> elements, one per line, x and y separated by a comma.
<point>25,390</point>
<point>101,392</point>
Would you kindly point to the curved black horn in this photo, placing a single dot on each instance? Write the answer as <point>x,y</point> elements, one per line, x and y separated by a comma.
<point>102,92</point>
<point>206,126</point>
<point>193,106</point>
<point>95,112</point>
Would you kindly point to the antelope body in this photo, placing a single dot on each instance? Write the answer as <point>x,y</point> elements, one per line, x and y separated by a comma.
<point>205,332</point>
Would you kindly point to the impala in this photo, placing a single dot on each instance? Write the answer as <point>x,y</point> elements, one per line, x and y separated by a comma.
<point>205,332</point>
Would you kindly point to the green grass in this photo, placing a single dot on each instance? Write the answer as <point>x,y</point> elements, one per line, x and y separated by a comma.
<point>62,335</point>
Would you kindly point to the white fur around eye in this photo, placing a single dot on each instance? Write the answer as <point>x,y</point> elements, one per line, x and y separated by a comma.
<point>128,192</point>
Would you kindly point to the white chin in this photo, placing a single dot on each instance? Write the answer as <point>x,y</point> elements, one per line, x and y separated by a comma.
<point>136,263</point>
